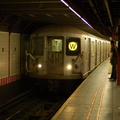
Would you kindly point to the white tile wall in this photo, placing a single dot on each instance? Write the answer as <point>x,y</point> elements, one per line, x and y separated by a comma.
<point>14,53</point>
<point>4,37</point>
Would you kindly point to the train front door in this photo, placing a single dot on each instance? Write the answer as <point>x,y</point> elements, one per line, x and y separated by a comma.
<point>55,55</point>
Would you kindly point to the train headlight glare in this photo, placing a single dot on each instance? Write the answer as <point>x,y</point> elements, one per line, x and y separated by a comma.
<point>69,67</point>
<point>39,65</point>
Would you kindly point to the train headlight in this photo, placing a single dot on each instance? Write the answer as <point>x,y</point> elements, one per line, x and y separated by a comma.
<point>39,65</point>
<point>69,67</point>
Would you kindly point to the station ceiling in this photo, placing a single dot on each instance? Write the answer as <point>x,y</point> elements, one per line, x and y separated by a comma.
<point>25,16</point>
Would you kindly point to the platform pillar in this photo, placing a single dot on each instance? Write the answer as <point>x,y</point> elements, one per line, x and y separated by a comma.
<point>118,65</point>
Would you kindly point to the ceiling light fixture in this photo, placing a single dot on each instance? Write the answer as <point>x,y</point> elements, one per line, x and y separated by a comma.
<point>76,13</point>
<point>31,15</point>
<point>49,15</point>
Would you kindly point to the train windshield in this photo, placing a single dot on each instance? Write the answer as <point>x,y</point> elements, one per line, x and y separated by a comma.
<point>37,45</point>
<point>73,46</point>
<point>56,45</point>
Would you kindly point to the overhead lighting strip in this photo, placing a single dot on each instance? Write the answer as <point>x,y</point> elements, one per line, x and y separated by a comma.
<point>76,13</point>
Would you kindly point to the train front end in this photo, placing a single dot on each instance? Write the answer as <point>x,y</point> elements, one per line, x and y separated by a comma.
<point>54,57</point>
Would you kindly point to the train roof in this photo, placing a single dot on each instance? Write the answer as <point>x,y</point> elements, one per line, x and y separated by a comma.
<point>61,29</point>
<point>56,28</point>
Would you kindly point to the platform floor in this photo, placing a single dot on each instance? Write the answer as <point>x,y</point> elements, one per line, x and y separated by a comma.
<point>97,98</point>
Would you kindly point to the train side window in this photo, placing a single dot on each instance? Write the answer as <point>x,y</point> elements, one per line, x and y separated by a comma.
<point>72,46</point>
<point>37,45</point>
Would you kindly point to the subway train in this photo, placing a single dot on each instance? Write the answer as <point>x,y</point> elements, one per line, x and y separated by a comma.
<point>63,55</point>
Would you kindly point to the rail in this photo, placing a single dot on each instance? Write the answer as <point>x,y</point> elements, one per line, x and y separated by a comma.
<point>33,107</point>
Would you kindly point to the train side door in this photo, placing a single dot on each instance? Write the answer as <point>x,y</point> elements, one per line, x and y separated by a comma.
<point>55,55</point>
<point>100,51</point>
<point>89,48</point>
<point>96,52</point>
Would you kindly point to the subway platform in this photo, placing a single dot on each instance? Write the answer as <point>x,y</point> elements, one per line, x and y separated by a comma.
<point>97,98</point>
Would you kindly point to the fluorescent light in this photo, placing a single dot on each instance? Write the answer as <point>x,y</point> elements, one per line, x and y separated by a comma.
<point>64,3</point>
<point>76,13</point>
<point>86,22</point>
